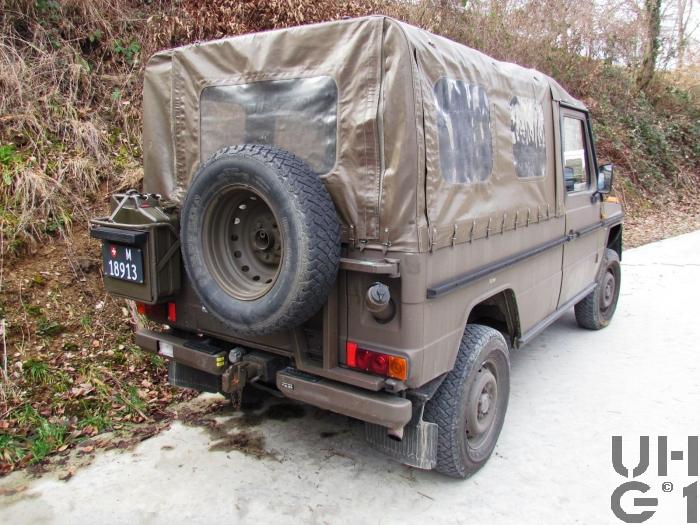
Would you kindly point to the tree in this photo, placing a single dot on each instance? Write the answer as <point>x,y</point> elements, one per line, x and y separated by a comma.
<point>684,10</point>
<point>652,14</point>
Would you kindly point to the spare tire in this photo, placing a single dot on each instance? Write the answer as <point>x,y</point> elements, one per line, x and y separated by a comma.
<point>260,239</point>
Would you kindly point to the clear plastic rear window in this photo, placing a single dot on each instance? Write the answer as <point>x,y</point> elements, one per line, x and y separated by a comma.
<point>464,131</point>
<point>297,115</point>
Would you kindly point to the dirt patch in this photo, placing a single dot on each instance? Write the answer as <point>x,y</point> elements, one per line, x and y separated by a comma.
<point>284,411</point>
<point>251,443</point>
<point>661,222</point>
<point>232,430</point>
<point>232,436</point>
<point>15,493</point>
<point>74,371</point>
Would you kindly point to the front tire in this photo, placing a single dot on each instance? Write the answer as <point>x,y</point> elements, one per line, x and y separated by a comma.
<point>470,405</point>
<point>596,310</point>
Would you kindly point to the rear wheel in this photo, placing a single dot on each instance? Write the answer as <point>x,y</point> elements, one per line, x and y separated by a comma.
<point>470,405</point>
<point>596,310</point>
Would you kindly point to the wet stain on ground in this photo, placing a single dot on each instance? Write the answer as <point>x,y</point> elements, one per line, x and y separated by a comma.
<point>237,432</point>
<point>254,404</point>
<point>13,494</point>
<point>284,411</point>
<point>252,443</point>
<point>229,436</point>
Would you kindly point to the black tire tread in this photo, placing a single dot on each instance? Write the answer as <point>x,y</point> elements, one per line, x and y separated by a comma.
<point>586,310</point>
<point>443,407</point>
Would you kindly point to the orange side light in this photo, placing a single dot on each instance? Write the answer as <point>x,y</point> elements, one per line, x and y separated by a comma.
<point>141,308</point>
<point>398,368</point>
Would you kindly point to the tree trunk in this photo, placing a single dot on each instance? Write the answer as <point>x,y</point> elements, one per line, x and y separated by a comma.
<point>684,10</point>
<point>652,12</point>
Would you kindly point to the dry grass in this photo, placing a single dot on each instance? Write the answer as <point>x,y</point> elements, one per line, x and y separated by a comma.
<point>65,127</point>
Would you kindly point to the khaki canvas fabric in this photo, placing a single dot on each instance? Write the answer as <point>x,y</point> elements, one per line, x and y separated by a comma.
<point>386,182</point>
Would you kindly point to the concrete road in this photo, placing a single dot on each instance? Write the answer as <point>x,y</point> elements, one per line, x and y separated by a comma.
<point>572,390</point>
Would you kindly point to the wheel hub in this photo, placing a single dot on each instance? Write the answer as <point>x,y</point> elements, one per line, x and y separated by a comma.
<point>481,408</point>
<point>608,291</point>
<point>244,243</point>
<point>484,404</point>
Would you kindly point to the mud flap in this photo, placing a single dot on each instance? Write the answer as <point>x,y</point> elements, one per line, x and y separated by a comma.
<point>418,448</point>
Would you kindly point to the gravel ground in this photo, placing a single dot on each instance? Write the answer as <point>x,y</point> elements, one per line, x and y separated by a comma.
<point>572,390</point>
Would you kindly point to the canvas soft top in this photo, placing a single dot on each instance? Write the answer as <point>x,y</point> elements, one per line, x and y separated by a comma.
<point>381,86</point>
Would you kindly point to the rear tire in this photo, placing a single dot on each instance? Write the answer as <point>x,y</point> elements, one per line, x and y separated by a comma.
<point>596,310</point>
<point>470,405</point>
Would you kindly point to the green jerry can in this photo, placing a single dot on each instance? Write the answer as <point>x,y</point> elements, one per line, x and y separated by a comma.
<point>140,247</point>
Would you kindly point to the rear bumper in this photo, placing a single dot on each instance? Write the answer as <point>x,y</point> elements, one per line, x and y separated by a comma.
<point>379,408</point>
<point>207,360</point>
<point>387,410</point>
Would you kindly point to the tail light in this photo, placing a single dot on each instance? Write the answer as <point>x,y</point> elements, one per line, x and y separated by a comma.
<point>150,310</point>
<point>172,312</point>
<point>376,362</point>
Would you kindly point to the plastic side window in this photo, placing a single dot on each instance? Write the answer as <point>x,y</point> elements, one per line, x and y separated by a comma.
<point>464,131</point>
<point>528,136</point>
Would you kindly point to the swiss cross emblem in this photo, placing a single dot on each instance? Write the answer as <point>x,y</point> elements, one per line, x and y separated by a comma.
<point>113,251</point>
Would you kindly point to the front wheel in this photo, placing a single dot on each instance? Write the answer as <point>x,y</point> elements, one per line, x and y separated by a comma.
<point>470,405</point>
<point>595,311</point>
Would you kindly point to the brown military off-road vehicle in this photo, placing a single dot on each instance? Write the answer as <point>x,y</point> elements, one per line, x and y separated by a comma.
<point>365,217</point>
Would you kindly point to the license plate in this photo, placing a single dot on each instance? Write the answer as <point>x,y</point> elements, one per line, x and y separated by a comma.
<point>122,262</point>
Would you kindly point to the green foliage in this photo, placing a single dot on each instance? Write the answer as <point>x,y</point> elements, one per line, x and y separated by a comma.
<point>98,421</point>
<point>8,155</point>
<point>128,51</point>
<point>58,222</point>
<point>133,404</point>
<point>47,328</point>
<point>10,160</point>
<point>11,449</point>
<point>33,310</point>
<point>26,415</point>
<point>44,437</point>
<point>36,371</point>
<point>157,360</point>
<point>48,437</point>
<point>47,6</point>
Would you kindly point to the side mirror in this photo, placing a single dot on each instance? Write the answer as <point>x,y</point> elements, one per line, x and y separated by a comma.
<point>605,178</point>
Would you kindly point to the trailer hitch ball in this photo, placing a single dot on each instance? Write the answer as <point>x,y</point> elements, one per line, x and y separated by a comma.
<point>379,303</point>
<point>236,354</point>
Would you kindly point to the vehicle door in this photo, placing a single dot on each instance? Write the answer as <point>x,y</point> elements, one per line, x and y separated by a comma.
<point>582,252</point>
